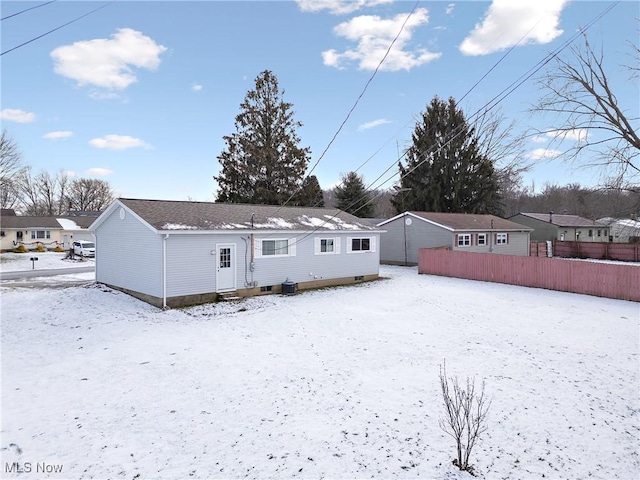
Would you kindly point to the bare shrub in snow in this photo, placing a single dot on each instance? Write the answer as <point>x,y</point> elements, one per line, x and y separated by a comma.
<point>466,414</point>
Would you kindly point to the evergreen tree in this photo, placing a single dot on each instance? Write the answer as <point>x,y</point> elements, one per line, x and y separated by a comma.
<point>262,162</point>
<point>445,170</point>
<point>310,194</point>
<point>352,196</point>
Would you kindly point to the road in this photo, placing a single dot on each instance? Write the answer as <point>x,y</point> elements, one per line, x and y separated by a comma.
<point>44,272</point>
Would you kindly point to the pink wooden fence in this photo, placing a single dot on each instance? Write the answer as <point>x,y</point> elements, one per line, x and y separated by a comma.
<point>612,251</point>
<point>591,278</point>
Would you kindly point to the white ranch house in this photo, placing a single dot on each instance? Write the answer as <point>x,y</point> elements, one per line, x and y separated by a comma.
<point>174,253</point>
<point>405,234</point>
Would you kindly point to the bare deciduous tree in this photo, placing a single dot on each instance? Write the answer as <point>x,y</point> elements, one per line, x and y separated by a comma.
<point>10,168</point>
<point>89,194</point>
<point>499,143</point>
<point>466,414</point>
<point>44,194</point>
<point>579,93</point>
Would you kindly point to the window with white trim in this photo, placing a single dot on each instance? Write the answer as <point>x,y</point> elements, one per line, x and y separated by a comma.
<point>361,244</point>
<point>502,238</point>
<point>35,234</point>
<point>326,246</point>
<point>482,239</point>
<point>275,248</point>
<point>464,239</point>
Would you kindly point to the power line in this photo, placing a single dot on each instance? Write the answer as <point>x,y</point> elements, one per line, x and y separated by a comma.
<point>57,28</point>
<point>27,9</point>
<point>366,86</point>
<point>486,108</point>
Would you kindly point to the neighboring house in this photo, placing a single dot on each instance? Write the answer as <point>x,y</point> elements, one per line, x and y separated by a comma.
<point>49,231</point>
<point>622,230</point>
<point>549,226</point>
<point>407,232</point>
<point>173,253</point>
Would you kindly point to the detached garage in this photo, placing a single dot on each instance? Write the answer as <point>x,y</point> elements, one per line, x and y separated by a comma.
<point>175,253</point>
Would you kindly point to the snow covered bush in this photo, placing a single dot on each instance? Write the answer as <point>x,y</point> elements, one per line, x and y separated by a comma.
<point>466,414</point>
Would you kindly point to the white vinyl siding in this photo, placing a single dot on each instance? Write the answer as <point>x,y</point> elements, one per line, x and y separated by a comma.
<point>129,255</point>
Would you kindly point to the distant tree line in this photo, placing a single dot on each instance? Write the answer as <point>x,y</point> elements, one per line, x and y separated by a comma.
<point>453,163</point>
<point>45,194</point>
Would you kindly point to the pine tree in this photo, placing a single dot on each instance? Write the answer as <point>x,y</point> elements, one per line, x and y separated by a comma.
<point>310,194</point>
<point>352,196</point>
<point>262,162</point>
<point>445,171</point>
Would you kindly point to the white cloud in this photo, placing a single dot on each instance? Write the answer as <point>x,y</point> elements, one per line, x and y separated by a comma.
<point>508,23</point>
<point>450,8</point>
<point>539,139</point>
<point>196,88</point>
<point>544,154</point>
<point>577,134</point>
<point>56,135</point>
<point>338,7</point>
<point>375,123</point>
<point>17,115</point>
<point>117,142</point>
<point>107,63</point>
<point>374,35</point>
<point>104,95</point>
<point>98,172</point>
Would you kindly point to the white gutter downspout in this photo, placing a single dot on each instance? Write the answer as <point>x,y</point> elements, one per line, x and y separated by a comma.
<point>164,270</point>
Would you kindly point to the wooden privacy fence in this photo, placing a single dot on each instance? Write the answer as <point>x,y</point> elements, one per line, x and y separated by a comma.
<point>591,278</point>
<point>627,252</point>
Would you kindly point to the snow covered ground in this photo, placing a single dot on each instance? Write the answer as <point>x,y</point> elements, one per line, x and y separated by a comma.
<point>13,262</point>
<point>335,383</point>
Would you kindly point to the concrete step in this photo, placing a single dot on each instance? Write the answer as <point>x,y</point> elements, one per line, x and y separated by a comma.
<point>228,296</point>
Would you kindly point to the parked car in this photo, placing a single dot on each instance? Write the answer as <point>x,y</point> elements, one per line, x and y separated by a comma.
<point>84,248</point>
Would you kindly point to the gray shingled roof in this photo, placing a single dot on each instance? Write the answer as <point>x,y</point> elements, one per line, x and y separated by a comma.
<point>183,215</point>
<point>20,221</point>
<point>469,221</point>
<point>562,220</point>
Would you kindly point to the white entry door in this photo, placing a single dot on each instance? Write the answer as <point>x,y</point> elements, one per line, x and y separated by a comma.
<point>225,267</point>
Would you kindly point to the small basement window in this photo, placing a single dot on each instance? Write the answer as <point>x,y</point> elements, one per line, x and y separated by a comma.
<point>359,278</point>
<point>266,288</point>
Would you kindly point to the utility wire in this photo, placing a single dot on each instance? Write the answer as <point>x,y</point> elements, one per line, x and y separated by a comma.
<point>366,86</point>
<point>57,28</point>
<point>27,9</point>
<point>486,108</point>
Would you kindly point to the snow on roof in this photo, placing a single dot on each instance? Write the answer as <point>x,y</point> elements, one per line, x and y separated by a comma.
<point>178,226</point>
<point>68,224</point>
<point>186,216</point>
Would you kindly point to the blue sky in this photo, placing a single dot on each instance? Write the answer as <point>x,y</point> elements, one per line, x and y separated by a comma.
<point>141,93</point>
